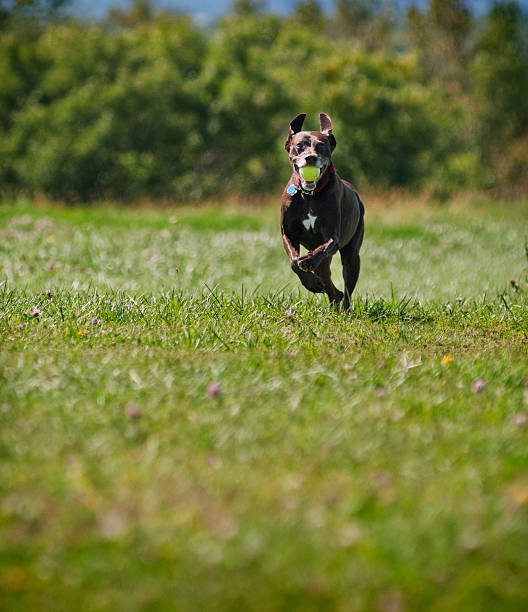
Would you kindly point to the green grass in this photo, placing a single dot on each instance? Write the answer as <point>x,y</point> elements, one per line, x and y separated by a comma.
<point>347,462</point>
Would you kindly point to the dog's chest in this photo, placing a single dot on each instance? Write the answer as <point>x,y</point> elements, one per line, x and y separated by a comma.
<point>309,221</point>
<point>308,224</point>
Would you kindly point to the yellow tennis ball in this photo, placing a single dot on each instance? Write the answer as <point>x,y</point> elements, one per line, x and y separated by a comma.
<point>310,173</point>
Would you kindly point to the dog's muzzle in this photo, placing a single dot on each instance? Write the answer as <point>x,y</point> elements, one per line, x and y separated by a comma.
<point>309,186</point>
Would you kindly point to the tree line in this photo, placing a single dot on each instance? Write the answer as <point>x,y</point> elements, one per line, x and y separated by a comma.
<point>146,103</point>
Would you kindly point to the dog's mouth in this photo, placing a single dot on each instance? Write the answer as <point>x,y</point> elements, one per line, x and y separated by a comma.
<point>309,173</point>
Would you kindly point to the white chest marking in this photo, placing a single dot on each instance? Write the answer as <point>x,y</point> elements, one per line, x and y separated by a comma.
<point>309,223</point>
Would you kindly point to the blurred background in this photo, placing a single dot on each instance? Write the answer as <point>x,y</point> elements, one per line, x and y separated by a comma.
<point>189,101</point>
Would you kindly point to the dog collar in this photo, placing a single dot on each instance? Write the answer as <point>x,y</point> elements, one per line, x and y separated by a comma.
<point>293,189</point>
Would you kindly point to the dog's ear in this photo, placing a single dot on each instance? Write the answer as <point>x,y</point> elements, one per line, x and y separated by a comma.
<point>297,123</point>
<point>295,126</point>
<point>326,128</point>
<point>326,123</point>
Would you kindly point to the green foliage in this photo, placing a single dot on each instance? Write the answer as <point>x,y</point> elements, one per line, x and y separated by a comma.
<point>500,70</point>
<point>309,14</point>
<point>382,123</point>
<point>157,110</point>
<point>364,21</point>
<point>481,76</point>
<point>246,106</point>
<point>500,78</point>
<point>140,12</point>
<point>147,104</point>
<point>114,114</point>
<point>21,13</point>
<point>441,34</point>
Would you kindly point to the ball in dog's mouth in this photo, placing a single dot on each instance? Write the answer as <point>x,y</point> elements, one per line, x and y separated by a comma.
<point>310,174</point>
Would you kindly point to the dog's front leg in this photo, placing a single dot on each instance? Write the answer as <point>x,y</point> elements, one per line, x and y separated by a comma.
<point>312,260</point>
<point>308,279</point>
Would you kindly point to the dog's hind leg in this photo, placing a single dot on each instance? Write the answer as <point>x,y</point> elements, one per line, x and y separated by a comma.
<point>323,272</point>
<point>351,263</point>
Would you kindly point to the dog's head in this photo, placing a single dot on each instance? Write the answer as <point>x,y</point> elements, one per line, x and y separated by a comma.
<point>310,148</point>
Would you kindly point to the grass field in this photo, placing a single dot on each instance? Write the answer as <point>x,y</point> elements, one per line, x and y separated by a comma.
<point>183,428</point>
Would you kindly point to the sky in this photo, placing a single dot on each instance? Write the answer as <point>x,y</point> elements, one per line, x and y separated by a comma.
<point>207,10</point>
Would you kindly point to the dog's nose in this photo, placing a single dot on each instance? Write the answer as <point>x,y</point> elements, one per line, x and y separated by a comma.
<point>311,160</point>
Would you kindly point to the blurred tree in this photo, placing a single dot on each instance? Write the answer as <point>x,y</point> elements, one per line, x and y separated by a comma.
<point>500,73</point>
<point>365,21</point>
<point>384,127</point>
<point>247,7</point>
<point>441,34</point>
<point>113,115</point>
<point>15,12</point>
<point>247,101</point>
<point>159,107</point>
<point>141,11</point>
<point>500,92</point>
<point>309,13</point>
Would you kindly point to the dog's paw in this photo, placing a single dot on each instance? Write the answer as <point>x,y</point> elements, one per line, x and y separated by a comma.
<point>306,263</point>
<point>312,282</point>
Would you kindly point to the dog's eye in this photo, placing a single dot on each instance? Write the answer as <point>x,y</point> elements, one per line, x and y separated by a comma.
<point>320,148</point>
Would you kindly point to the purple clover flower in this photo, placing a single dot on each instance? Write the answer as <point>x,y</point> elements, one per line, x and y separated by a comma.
<point>477,386</point>
<point>520,419</point>
<point>132,411</point>
<point>213,389</point>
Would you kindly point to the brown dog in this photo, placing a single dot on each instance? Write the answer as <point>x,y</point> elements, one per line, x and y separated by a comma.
<point>324,215</point>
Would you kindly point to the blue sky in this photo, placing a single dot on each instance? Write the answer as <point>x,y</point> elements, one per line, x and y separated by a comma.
<point>206,10</point>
